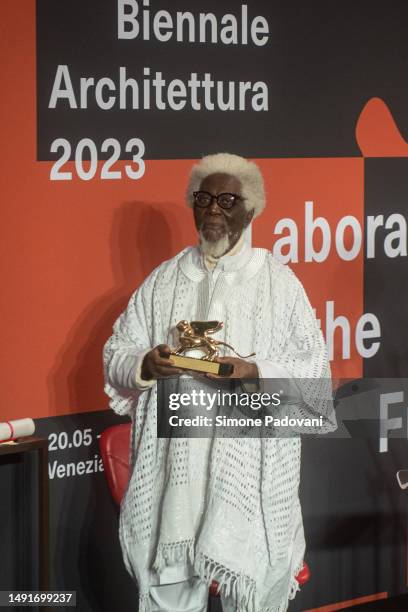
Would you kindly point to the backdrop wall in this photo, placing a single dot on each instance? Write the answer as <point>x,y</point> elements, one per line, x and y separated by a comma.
<point>105,106</point>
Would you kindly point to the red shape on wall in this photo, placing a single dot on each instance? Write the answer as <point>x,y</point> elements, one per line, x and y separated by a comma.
<point>377,134</point>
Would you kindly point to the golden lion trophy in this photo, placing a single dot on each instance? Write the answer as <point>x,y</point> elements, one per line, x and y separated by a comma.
<point>196,335</point>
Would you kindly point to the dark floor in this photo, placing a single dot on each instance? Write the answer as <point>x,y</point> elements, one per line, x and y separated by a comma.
<point>394,604</point>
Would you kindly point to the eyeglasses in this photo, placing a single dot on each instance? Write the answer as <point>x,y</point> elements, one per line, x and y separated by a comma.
<point>203,199</point>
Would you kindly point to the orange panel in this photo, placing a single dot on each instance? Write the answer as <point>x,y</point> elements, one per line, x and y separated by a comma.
<point>73,251</point>
<point>335,186</point>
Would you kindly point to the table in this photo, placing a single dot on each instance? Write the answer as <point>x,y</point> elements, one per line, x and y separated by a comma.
<point>39,445</point>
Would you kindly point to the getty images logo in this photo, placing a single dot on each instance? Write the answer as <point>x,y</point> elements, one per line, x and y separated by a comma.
<point>388,423</point>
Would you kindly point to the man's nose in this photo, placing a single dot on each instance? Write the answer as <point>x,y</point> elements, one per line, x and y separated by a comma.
<point>213,208</point>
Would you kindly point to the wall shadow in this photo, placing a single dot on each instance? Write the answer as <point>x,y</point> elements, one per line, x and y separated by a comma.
<point>142,237</point>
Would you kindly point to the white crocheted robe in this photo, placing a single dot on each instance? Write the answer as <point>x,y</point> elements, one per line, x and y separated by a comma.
<point>227,509</point>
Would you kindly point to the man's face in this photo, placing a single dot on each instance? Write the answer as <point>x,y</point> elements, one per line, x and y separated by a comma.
<point>215,223</point>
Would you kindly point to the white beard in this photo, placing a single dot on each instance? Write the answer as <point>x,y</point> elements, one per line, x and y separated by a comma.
<point>215,249</point>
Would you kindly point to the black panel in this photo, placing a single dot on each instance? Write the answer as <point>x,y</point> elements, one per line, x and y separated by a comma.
<point>85,554</point>
<point>386,278</point>
<point>322,63</point>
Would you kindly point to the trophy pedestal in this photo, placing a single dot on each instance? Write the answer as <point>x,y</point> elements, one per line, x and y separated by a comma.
<point>201,365</point>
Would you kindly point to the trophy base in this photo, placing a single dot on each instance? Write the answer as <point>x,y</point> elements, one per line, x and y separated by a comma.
<point>200,365</point>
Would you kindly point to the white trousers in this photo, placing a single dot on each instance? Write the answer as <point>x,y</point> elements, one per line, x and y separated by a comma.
<point>187,596</point>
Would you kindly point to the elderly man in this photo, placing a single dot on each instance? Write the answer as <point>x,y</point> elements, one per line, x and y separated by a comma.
<point>221,509</point>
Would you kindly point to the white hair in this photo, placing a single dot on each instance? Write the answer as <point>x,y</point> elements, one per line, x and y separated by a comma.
<point>215,249</point>
<point>248,174</point>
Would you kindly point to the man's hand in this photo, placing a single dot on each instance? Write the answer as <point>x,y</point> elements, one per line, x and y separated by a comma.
<point>155,365</point>
<point>242,368</point>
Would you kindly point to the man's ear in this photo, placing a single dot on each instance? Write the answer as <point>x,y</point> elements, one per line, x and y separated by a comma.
<point>249,216</point>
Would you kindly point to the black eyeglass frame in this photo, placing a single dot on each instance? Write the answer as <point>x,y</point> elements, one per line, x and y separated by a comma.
<point>235,197</point>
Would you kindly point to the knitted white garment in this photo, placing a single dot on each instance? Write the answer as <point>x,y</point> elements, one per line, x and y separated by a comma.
<point>224,509</point>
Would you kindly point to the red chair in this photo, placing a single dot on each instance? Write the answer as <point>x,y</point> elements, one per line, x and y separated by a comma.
<point>114,444</point>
